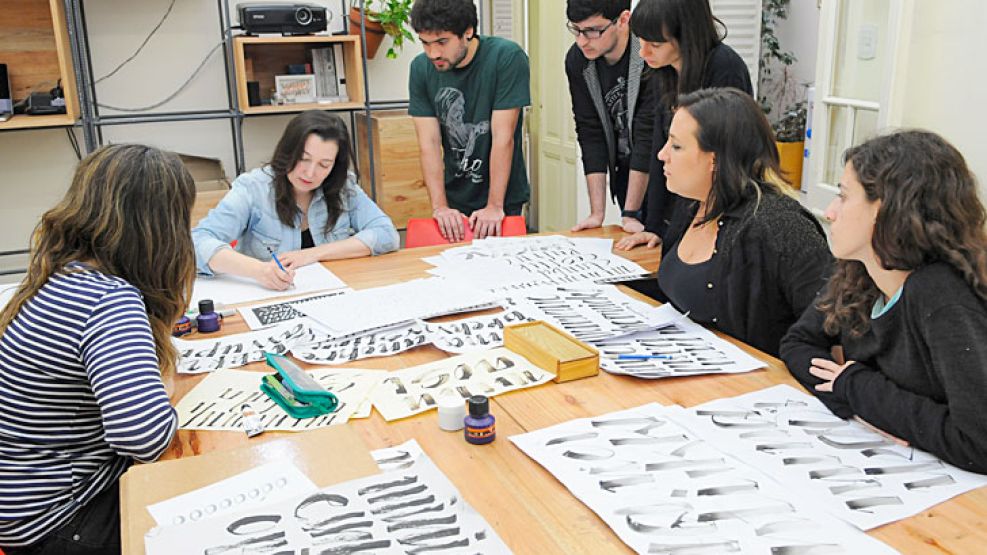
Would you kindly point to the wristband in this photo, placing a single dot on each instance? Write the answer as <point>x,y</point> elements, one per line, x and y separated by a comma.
<point>636,214</point>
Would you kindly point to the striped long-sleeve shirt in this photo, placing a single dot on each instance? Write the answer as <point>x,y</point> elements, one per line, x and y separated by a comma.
<point>80,396</point>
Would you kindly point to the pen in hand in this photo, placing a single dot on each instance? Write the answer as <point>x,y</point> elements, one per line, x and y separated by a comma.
<point>275,257</point>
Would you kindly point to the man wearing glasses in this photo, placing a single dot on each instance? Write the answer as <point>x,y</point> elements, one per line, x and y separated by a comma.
<point>612,106</point>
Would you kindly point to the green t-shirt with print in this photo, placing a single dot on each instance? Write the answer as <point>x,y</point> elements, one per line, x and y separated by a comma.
<point>463,100</point>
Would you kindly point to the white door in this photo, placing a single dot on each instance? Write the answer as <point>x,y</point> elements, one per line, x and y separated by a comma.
<point>859,88</point>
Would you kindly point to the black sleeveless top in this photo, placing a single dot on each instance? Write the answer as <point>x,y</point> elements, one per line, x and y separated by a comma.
<point>687,286</point>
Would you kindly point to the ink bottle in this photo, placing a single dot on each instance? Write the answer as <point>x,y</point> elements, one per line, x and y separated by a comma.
<point>480,427</point>
<point>208,321</point>
<point>182,327</point>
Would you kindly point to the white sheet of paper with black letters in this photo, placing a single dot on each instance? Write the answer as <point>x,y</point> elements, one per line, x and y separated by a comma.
<point>663,489</point>
<point>479,333</point>
<point>693,350</point>
<point>412,510</point>
<point>847,469</point>
<point>232,351</point>
<point>215,403</point>
<point>417,389</point>
<point>381,343</point>
<point>272,314</point>
<point>398,457</point>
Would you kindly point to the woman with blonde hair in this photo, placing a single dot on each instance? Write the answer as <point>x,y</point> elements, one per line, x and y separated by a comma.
<point>741,255</point>
<point>907,301</point>
<point>84,342</point>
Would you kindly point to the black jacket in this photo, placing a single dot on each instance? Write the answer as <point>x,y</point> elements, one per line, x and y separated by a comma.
<point>770,260</point>
<point>920,371</point>
<point>725,68</point>
<point>593,127</point>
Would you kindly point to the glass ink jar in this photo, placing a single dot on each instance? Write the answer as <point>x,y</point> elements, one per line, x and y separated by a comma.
<point>208,321</point>
<point>182,327</point>
<point>479,424</point>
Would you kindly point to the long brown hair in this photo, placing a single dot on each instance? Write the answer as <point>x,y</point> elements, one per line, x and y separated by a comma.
<point>735,130</point>
<point>126,214</point>
<point>929,212</point>
<point>291,148</point>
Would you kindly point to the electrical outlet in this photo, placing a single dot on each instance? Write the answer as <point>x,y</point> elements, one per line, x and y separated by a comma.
<point>867,42</point>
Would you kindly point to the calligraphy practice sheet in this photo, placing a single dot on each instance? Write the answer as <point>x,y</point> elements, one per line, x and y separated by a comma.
<point>227,289</point>
<point>215,403</point>
<point>272,314</point>
<point>264,484</point>
<point>377,344</point>
<point>663,489</point>
<point>473,334</point>
<point>379,308</point>
<point>232,351</point>
<point>407,511</point>
<point>590,313</point>
<point>417,389</point>
<point>845,468</point>
<point>690,350</point>
<point>397,457</point>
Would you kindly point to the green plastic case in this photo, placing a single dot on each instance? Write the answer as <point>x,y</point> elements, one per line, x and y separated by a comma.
<point>294,390</point>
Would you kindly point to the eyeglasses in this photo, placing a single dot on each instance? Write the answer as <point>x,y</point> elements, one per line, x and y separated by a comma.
<point>592,32</point>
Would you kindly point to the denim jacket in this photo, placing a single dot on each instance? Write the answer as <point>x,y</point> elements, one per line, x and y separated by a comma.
<point>247,214</point>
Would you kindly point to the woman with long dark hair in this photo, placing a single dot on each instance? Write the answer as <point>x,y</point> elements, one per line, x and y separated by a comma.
<point>85,340</point>
<point>304,207</point>
<point>907,301</point>
<point>741,255</point>
<point>682,42</point>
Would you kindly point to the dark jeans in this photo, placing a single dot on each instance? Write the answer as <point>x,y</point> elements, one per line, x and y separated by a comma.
<point>94,530</point>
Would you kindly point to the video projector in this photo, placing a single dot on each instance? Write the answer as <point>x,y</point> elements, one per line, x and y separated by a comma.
<point>287,19</point>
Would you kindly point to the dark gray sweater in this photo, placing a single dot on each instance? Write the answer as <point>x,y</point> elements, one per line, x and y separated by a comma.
<point>920,371</point>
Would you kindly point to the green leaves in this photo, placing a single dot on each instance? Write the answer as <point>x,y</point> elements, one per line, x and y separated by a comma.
<point>393,15</point>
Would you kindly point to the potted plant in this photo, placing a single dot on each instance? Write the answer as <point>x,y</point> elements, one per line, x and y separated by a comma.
<point>383,17</point>
<point>780,96</point>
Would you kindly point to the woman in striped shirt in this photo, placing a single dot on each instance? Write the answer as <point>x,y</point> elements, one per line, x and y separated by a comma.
<point>84,342</point>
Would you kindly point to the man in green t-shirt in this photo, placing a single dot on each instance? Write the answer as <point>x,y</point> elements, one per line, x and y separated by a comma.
<point>466,94</point>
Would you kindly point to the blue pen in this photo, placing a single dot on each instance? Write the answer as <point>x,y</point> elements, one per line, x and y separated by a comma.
<point>275,257</point>
<point>639,357</point>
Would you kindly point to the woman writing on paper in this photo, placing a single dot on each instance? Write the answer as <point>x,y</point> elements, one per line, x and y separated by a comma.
<point>741,254</point>
<point>907,300</point>
<point>84,342</point>
<point>303,208</point>
<point>683,43</point>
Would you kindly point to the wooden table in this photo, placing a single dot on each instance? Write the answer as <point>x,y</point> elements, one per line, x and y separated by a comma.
<point>528,507</point>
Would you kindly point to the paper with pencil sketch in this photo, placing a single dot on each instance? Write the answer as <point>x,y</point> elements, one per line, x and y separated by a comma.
<point>215,403</point>
<point>662,488</point>
<point>847,469</point>
<point>229,289</point>
<point>378,308</point>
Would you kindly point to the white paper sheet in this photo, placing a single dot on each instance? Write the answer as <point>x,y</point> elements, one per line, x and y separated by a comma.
<point>229,290</point>
<point>413,510</point>
<point>417,389</point>
<point>382,343</point>
<point>479,333</point>
<point>214,404</point>
<point>378,308</point>
<point>693,350</point>
<point>258,486</point>
<point>7,292</point>
<point>663,489</point>
<point>840,465</point>
<point>398,457</point>
<point>278,313</point>
<point>232,351</point>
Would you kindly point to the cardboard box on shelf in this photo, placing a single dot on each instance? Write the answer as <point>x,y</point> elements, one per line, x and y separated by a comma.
<point>211,183</point>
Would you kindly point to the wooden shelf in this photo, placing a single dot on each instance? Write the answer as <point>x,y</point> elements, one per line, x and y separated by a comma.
<point>34,44</point>
<point>261,58</point>
<point>21,121</point>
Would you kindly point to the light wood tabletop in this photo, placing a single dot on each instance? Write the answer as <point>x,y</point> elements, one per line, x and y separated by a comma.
<point>528,507</point>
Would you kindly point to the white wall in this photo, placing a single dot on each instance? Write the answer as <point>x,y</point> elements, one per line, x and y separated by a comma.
<point>799,34</point>
<point>947,77</point>
<point>36,166</point>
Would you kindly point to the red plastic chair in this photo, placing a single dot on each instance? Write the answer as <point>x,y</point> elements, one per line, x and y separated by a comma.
<point>422,232</point>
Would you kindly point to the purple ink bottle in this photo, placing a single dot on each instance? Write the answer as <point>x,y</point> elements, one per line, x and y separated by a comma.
<point>208,321</point>
<point>480,426</point>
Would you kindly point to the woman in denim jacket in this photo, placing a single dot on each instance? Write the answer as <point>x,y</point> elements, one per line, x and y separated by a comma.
<point>305,206</point>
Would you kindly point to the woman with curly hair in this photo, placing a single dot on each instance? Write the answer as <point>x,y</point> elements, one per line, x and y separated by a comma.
<point>305,207</point>
<point>907,301</point>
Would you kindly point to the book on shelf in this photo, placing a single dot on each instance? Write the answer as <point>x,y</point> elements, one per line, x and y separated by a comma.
<point>330,73</point>
<point>337,50</point>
